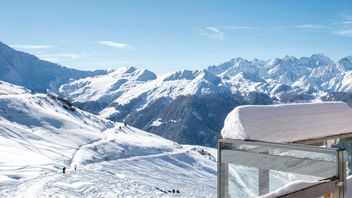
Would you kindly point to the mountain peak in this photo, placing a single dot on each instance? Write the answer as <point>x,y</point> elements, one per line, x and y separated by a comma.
<point>3,45</point>
<point>345,63</point>
<point>237,59</point>
<point>130,69</point>
<point>26,70</point>
<point>182,75</point>
<point>347,58</point>
<point>321,60</point>
<point>287,57</point>
<point>133,73</point>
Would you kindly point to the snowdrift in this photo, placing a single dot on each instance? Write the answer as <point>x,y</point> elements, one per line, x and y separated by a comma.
<point>288,122</point>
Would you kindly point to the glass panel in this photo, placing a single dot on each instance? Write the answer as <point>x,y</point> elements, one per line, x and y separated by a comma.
<point>243,181</point>
<point>260,168</point>
<point>343,143</point>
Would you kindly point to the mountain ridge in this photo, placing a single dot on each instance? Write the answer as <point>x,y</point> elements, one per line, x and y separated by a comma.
<point>241,81</point>
<point>26,70</point>
<point>148,101</point>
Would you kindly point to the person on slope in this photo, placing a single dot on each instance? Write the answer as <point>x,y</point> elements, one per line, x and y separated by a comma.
<point>64,170</point>
<point>75,167</point>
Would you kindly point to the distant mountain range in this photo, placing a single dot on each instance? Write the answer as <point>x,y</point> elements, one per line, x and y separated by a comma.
<point>185,106</point>
<point>38,75</point>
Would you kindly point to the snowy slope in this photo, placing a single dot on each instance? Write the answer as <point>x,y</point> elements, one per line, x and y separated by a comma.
<point>141,98</point>
<point>125,85</point>
<point>28,71</point>
<point>39,134</point>
<point>121,96</point>
<point>237,75</point>
<point>106,89</point>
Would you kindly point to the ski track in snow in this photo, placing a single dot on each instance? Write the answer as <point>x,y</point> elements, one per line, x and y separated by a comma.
<point>102,180</point>
<point>38,136</point>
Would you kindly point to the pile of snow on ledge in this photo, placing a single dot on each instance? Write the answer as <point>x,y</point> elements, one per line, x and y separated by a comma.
<point>288,122</point>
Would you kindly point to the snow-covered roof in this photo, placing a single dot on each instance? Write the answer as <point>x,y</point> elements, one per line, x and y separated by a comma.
<point>288,122</point>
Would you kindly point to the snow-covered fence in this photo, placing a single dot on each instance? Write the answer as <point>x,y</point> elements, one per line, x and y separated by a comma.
<point>264,151</point>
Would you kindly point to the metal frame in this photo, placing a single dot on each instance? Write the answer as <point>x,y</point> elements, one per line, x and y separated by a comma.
<point>317,140</point>
<point>342,173</point>
<point>292,146</point>
<point>315,191</point>
<point>336,185</point>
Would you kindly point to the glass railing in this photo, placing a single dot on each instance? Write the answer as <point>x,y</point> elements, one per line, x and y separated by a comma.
<point>340,143</point>
<point>255,169</point>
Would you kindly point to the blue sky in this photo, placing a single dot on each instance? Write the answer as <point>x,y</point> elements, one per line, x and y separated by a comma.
<point>170,35</point>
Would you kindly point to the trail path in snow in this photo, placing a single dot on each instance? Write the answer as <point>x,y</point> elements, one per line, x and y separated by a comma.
<point>84,183</point>
<point>39,134</point>
<point>114,179</point>
<point>147,175</point>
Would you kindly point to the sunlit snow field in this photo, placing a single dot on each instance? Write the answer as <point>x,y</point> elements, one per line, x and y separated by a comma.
<point>41,134</point>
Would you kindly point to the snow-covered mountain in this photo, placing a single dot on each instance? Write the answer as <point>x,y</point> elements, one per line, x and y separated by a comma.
<point>190,106</point>
<point>185,106</point>
<point>104,89</point>
<point>126,94</point>
<point>40,134</point>
<point>28,71</point>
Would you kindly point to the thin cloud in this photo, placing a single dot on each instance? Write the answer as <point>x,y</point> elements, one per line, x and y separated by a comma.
<point>114,44</point>
<point>240,27</point>
<point>214,29</point>
<point>211,32</point>
<point>345,18</point>
<point>346,22</point>
<point>311,26</point>
<point>31,46</point>
<point>346,14</point>
<point>347,32</point>
<point>58,57</point>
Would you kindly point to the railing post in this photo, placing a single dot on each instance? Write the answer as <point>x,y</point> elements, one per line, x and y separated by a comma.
<point>342,173</point>
<point>222,175</point>
<point>264,184</point>
<point>219,170</point>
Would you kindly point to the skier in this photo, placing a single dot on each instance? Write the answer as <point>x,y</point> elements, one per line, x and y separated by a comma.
<point>177,191</point>
<point>125,124</point>
<point>202,152</point>
<point>64,170</point>
<point>173,191</point>
<point>75,167</point>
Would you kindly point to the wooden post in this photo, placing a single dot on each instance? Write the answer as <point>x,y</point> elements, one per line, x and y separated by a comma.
<point>327,195</point>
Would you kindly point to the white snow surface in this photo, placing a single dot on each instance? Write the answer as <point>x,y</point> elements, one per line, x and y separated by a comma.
<point>288,122</point>
<point>290,188</point>
<point>157,122</point>
<point>39,135</point>
<point>299,185</point>
<point>108,87</point>
<point>122,87</point>
<point>316,74</point>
